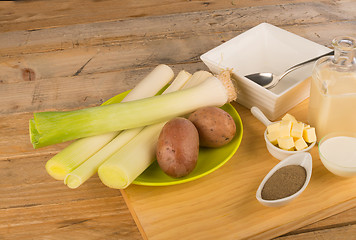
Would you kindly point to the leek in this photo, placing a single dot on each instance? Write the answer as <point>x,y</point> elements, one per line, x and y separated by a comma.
<point>88,168</point>
<point>54,127</point>
<point>138,154</point>
<point>79,151</point>
<point>122,168</point>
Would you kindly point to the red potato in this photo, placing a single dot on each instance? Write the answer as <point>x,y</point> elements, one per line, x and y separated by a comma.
<point>178,147</point>
<point>215,126</point>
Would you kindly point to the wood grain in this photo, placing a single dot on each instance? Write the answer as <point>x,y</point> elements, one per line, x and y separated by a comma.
<point>72,54</point>
<point>27,15</point>
<point>129,32</point>
<point>33,206</point>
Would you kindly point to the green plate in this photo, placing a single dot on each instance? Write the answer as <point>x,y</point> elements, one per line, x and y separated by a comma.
<point>209,159</point>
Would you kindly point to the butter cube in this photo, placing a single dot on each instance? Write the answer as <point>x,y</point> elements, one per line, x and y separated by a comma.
<point>285,128</point>
<point>274,127</point>
<point>309,134</point>
<point>286,143</point>
<point>272,137</point>
<point>297,130</point>
<point>289,117</point>
<point>300,144</point>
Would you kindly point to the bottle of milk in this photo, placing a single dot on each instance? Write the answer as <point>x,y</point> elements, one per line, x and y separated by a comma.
<point>332,103</point>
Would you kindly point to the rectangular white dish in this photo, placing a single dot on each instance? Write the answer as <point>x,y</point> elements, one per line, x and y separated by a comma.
<point>267,48</point>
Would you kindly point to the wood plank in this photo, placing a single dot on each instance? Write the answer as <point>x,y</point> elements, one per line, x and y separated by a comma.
<point>311,218</point>
<point>31,15</point>
<point>15,142</point>
<point>143,30</point>
<point>331,224</point>
<point>338,233</point>
<point>28,177</point>
<point>341,219</point>
<point>106,218</point>
<point>67,92</point>
<point>40,207</point>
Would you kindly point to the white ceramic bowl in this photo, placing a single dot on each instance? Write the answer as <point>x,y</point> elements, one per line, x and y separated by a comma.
<point>275,151</point>
<point>333,156</point>
<point>302,159</point>
<point>266,48</point>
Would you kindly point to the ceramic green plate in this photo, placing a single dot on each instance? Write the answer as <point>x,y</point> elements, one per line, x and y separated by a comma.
<point>209,160</point>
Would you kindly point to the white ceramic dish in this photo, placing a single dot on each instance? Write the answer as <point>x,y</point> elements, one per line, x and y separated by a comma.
<point>302,159</point>
<point>276,152</point>
<point>266,48</point>
<point>339,157</point>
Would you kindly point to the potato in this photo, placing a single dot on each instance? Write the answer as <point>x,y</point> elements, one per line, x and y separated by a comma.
<point>178,147</point>
<point>215,126</point>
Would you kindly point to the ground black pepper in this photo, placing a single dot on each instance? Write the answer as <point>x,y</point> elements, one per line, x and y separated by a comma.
<point>284,182</point>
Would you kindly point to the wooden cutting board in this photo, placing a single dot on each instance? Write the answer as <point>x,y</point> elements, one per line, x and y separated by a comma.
<point>222,205</point>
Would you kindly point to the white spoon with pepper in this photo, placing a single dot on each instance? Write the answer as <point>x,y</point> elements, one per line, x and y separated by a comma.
<point>286,181</point>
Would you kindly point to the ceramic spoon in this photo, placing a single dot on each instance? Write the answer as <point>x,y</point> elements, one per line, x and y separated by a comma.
<point>303,159</point>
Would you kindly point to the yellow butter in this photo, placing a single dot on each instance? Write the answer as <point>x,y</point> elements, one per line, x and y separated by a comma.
<point>274,127</point>
<point>286,143</point>
<point>285,128</point>
<point>289,134</point>
<point>309,134</point>
<point>297,130</point>
<point>289,117</point>
<point>272,137</point>
<point>300,144</point>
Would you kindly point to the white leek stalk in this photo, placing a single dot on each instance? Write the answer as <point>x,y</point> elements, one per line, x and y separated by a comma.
<point>129,162</point>
<point>88,168</point>
<point>53,127</point>
<point>122,168</point>
<point>79,151</point>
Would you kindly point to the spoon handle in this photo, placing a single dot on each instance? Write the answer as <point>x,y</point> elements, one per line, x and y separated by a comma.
<point>307,162</point>
<point>260,116</point>
<point>303,63</point>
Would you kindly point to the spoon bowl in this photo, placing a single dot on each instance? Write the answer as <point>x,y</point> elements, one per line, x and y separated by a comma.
<point>263,79</point>
<point>269,80</point>
<point>302,159</point>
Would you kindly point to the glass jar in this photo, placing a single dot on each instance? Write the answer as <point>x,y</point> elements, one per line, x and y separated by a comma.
<point>332,102</point>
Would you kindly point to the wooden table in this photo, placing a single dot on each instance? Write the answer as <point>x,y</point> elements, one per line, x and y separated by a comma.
<point>60,55</point>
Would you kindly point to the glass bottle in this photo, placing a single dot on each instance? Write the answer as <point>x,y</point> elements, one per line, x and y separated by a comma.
<point>332,102</point>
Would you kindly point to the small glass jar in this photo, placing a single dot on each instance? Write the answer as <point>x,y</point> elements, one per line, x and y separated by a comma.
<point>332,102</point>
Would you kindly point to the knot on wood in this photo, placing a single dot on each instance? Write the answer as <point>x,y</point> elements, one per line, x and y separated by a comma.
<point>28,74</point>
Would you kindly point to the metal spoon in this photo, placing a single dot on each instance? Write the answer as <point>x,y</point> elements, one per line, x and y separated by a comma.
<point>269,80</point>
